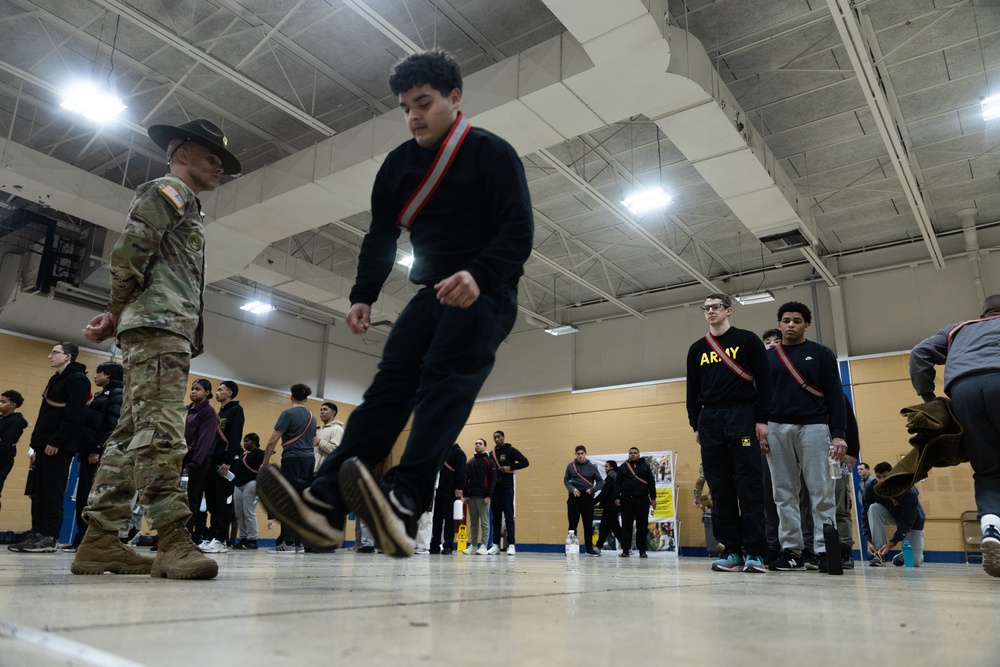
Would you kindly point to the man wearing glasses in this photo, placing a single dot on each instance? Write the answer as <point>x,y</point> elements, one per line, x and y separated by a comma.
<point>728,401</point>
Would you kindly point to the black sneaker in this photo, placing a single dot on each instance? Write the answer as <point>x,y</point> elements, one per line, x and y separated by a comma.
<point>386,510</point>
<point>365,550</point>
<point>26,539</point>
<point>811,560</point>
<point>316,522</point>
<point>788,561</point>
<point>846,559</point>
<point>446,552</point>
<point>42,545</point>
<point>991,550</point>
<point>642,554</point>
<point>897,560</point>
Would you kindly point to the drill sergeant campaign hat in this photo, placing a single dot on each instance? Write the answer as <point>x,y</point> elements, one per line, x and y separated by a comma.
<point>199,131</point>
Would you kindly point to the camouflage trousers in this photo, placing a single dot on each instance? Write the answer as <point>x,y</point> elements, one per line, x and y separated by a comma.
<point>146,450</point>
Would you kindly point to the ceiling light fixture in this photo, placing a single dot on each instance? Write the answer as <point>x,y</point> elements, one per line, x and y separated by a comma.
<point>86,100</point>
<point>257,307</point>
<point>647,200</point>
<point>991,107</point>
<point>563,330</point>
<point>754,297</point>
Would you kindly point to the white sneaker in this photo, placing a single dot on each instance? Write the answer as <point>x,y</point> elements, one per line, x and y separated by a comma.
<point>471,550</point>
<point>420,551</point>
<point>214,547</point>
<point>481,551</point>
<point>494,550</point>
<point>300,549</point>
<point>510,550</point>
<point>203,545</point>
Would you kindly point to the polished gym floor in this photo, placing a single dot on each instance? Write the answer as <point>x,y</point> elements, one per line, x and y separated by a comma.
<point>359,609</point>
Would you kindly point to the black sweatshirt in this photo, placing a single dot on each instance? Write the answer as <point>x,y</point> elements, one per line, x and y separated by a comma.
<point>231,421</point>
<point>710,382</point>
<point>453,473</point>
<point>102,418</point>
<point>507,455</point>
<point>481,476</point>
<point>792,404</point>
<point>479,219</point>
<point>63,411</point>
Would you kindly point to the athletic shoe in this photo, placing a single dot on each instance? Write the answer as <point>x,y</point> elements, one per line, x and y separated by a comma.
<point>42,545</point>
<point>282,550</point>
<point>446,552</point>
<point>493,550</point>
<point>369,549</point>
<point>316,522</point>
<point>846,559</point>
<point>593,552</point>
<point>897,560</point>
<point>642,554</point>
<point>214,547</point>
<point>387,511</point>
<point>754,563</point>
<point>68,548</point>
<point>991,544</point>
<point>811,560</point>
<point>788,561</point>
<point>876,561</point>
<point>246,545</point>
<point>204,545</point>
<point>731,561</point>
<point>471,550</point>
<point>624,553</point>
<point>29,537</point>
<point>420,551</point>
<point>511,550</point>
<point>481,551</point>
<point>300,548</point>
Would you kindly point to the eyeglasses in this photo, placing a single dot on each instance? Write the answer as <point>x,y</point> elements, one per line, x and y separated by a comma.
<point>713,307</point>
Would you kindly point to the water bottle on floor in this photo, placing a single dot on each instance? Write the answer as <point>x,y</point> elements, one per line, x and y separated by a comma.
<point>907,554</point>
<point>572,553</point>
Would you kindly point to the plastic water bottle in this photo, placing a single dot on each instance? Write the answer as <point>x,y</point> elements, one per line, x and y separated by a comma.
<point>184,480</point>
<point>835,470</point>
<point>907,554</point>
<point>572,553</point>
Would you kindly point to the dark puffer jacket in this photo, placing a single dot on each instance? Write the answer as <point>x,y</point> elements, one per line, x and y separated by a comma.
<point>102,418</point>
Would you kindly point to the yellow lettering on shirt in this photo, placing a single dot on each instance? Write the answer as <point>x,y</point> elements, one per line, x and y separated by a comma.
<point>713,358</point>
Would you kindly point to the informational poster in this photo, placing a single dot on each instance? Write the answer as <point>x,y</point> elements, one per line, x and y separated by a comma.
<point>662,535</point>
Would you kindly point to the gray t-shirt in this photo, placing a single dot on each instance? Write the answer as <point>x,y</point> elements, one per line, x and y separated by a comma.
<point>298,428</point>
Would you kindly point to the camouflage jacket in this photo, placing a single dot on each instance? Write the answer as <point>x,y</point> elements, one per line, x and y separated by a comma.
<point>158,264</point>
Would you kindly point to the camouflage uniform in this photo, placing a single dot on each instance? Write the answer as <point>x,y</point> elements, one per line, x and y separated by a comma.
<point>157,290</point>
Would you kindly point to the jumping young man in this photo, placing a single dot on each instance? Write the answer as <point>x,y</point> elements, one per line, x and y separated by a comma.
<point>461,194</point>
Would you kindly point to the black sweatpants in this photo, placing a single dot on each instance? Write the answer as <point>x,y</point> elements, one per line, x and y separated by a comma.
<point>582,506</point>
<point>51,476</point>
<point>730,453</point>
<point>443,523</point>
<point>635,510</point>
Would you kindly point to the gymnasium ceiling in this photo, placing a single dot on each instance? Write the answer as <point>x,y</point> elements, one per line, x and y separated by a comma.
<point>291,80</point>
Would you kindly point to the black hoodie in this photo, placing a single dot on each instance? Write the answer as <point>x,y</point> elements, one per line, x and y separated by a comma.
<point>102,417</point>
<point>63,412</point>
<point>11,428</point>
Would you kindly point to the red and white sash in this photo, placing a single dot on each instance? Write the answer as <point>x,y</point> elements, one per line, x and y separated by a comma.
<point>958,327</point>
<point>731,364</point>
<point>432,179</point>
<point>796,375</point>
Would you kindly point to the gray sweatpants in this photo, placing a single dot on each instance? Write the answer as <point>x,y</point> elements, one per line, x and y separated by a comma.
<point>879,519</point>
<point>801,449</point>
<point>479,521</point>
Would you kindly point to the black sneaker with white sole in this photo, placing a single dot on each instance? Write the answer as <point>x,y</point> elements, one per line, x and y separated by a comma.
<point>386,510</point>
<point>788,561</point>
<point>991,550</point>
<point>319,524</point>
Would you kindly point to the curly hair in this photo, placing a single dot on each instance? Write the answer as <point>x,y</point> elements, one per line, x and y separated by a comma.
<point>435,68</point>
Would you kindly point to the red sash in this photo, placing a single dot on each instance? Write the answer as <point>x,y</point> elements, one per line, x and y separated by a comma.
<point>796,375</point>
<point>631,470</point>
<point>577,471</point>
<point>285,443</point>
<point>731,364</point>
<point>432,179</point>
<point>958,327</point>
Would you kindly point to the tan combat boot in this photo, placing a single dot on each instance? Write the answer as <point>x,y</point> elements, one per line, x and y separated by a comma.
<point>101,551</point>
<point>177,557</point>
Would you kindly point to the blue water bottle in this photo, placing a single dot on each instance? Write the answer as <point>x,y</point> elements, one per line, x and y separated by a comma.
<point>907,554</point>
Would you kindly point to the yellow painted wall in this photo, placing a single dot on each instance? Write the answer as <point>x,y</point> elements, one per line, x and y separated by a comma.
<point>25,368</point>
<point>547,427</point>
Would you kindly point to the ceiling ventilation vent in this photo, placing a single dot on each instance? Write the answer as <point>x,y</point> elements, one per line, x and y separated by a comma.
<point>785,241</point>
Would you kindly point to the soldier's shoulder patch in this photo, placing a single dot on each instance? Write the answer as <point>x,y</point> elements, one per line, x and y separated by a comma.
<point>171,195</point>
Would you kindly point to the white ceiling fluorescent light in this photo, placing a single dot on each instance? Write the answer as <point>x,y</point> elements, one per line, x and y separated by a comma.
<point>563,330</point>
<point>647,200</point>
<point>257,307</point>
<point>991,107</point>
<point>96,105</point>
<point>754,297</point>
